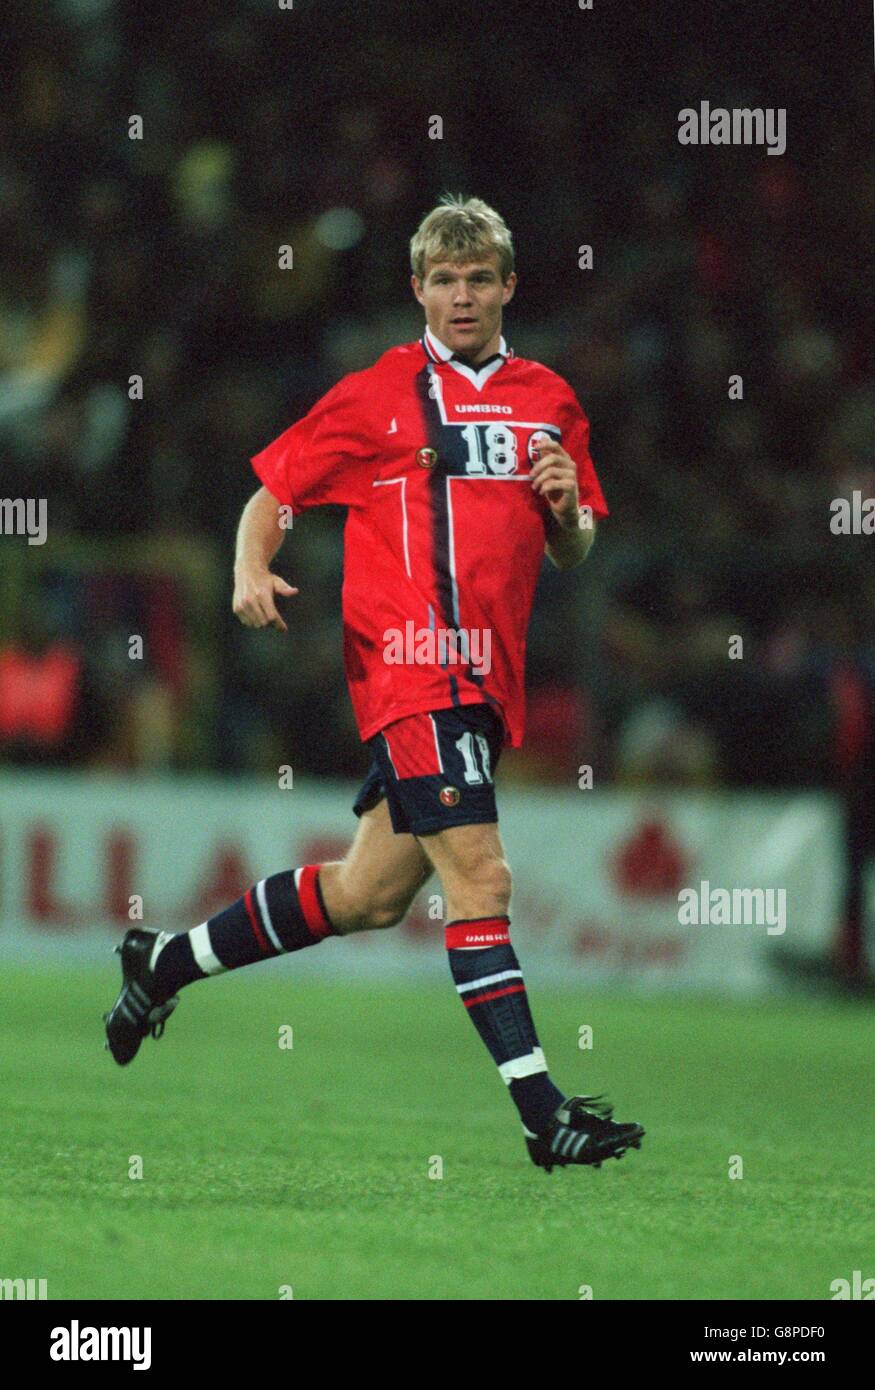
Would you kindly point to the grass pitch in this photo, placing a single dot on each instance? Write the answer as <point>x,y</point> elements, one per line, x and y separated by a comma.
<point>266,1168</point>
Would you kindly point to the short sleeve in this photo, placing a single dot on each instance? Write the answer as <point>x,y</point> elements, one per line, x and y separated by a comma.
<point>328,456</point>
<point>575,441</point>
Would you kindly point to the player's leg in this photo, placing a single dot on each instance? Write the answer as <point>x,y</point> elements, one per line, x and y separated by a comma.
<point>437,773</point>
<point>372,887</point>
<point>476,880</point>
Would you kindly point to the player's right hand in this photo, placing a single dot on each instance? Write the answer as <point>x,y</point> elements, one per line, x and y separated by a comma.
<point>254,601</point>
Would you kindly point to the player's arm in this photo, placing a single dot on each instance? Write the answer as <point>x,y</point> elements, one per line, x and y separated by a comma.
<point>259,537</point>
<point>567,548</point>
<point>554,477</point>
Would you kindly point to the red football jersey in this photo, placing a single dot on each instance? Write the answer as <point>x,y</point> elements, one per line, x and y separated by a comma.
<point>444,536</point>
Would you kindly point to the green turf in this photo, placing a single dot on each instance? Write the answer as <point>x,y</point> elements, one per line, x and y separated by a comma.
<point>266,1167</point>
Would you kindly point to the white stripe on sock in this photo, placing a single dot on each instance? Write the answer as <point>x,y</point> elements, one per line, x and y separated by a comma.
<point>265,914</point>
<point>491,980</point>
<point>518,1067</point>
<point>203,951</point>
<point>161,941</point>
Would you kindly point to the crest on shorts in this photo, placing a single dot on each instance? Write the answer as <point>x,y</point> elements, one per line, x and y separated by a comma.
<point>449,796</point>
<point>426,458</point>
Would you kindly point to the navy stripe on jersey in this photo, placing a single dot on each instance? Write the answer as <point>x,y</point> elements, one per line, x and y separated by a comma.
<point>448,444</point>
<point>439,512</point>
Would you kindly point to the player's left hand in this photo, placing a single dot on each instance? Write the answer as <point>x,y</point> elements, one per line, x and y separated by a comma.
<point>554,476</point>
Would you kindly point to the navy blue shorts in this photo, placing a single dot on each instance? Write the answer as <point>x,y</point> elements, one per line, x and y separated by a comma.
<point>435,770</point>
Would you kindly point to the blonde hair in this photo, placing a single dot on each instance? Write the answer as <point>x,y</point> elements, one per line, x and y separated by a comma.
<point>461,230</point>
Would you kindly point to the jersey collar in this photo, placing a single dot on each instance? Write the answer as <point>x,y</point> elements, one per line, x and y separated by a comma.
<point>436,351</point>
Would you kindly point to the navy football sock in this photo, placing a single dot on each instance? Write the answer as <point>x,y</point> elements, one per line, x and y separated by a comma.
<point>282,913</point>
<point>490,984</point>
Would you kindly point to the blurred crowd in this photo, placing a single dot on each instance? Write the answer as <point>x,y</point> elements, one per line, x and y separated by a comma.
<point>150,344</point>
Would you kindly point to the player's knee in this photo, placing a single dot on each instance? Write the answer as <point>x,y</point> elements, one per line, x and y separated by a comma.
<point>355,902</point>
<point>375,910</point>
<point>389,904</point>
<point>383,913</point>
<point>499,881</point>
<point>488,878</point>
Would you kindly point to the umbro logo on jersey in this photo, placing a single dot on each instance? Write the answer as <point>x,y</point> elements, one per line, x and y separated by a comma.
<point>478,409</point>
<point>393,428</point>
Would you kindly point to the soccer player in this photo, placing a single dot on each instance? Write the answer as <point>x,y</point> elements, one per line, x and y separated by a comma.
<point>460,464</point>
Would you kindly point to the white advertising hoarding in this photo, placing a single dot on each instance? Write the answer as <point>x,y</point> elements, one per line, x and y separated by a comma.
<point>621,887</point>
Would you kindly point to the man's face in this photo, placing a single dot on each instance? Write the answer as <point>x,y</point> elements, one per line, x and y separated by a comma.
<point>463,304</point>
